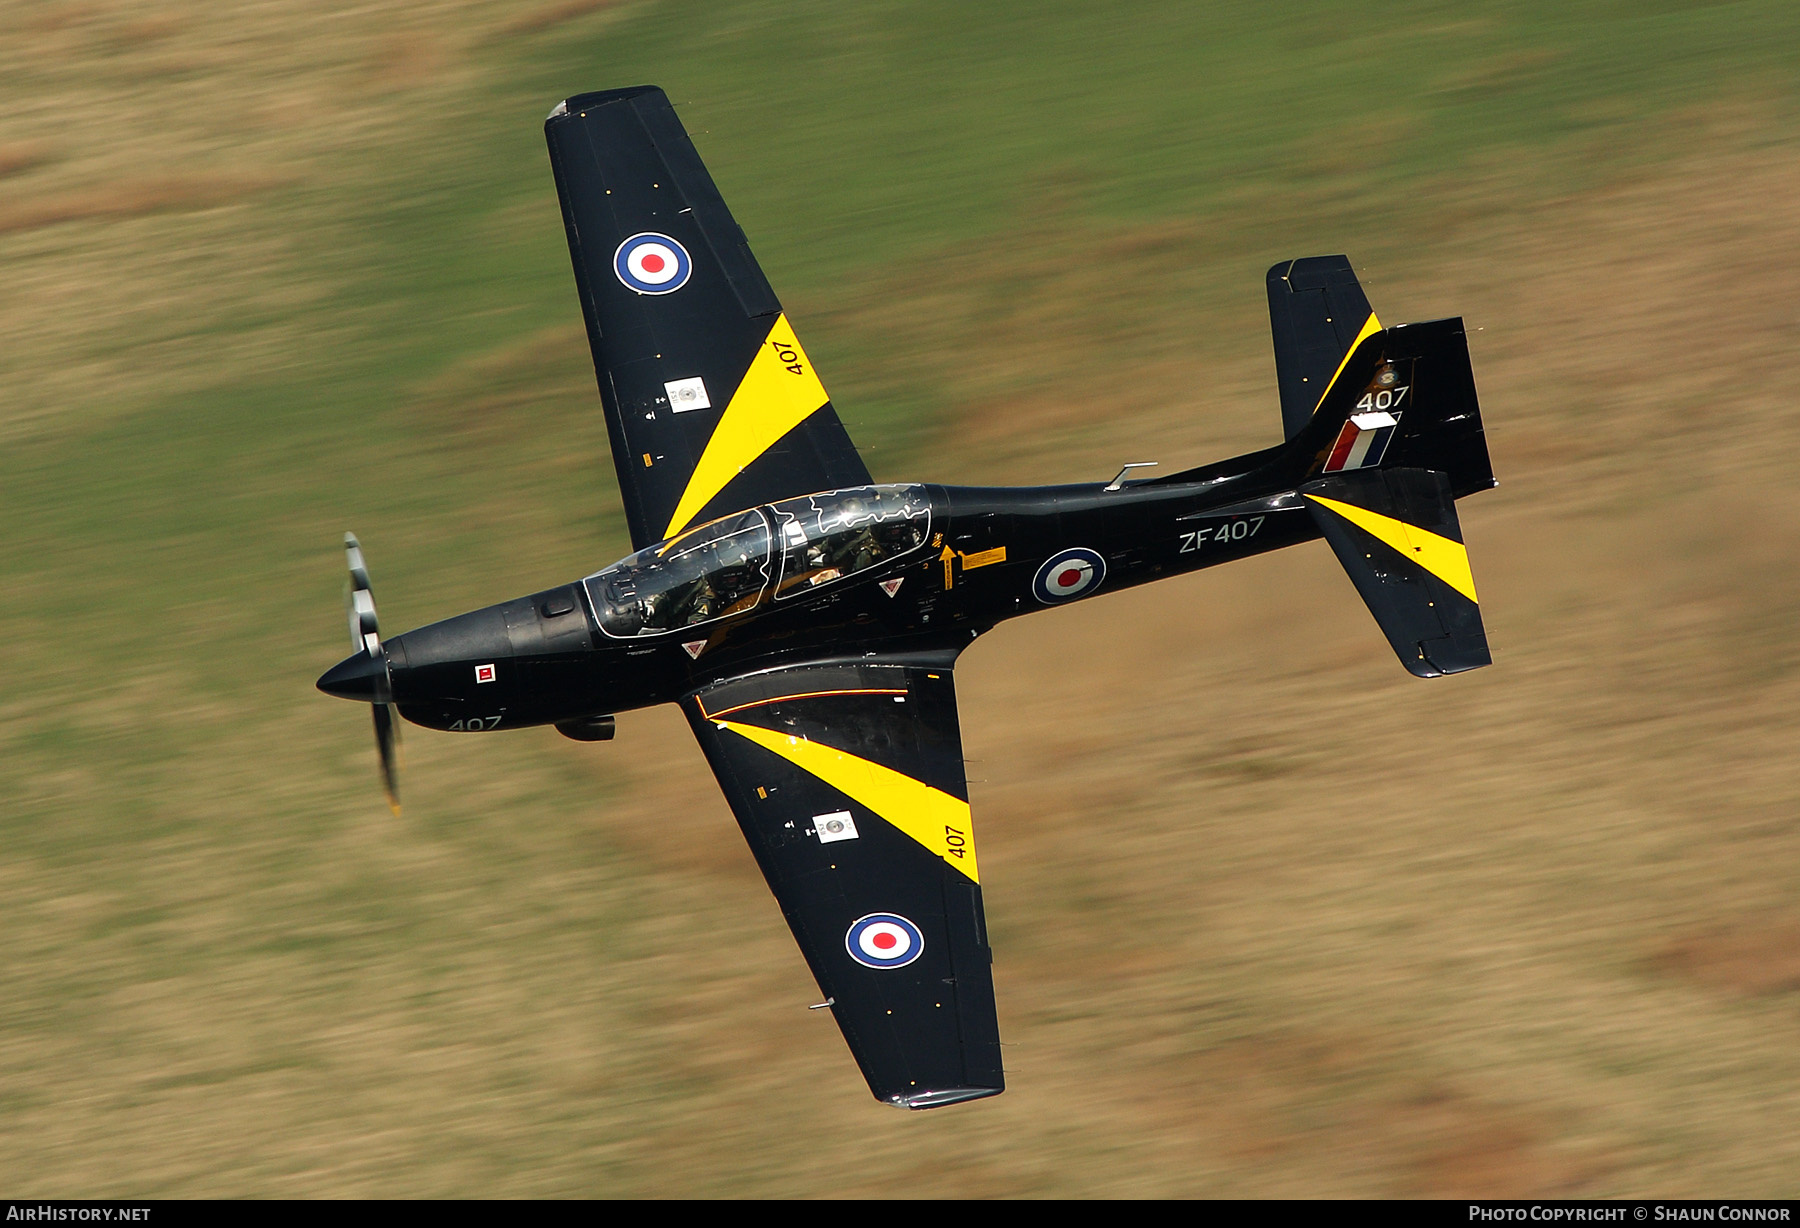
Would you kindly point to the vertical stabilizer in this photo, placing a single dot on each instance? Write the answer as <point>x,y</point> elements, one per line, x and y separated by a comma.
<point>1317,314</point>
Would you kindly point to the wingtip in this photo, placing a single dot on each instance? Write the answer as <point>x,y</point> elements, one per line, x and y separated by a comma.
<point>943,1096</point>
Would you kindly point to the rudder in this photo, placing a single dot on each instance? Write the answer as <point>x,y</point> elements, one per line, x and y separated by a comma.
<point>1404,398</point>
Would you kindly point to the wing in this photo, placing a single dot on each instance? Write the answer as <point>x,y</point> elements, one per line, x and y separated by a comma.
<point>712,406</point>
<point>848,783</point>
<point>1318,314</point>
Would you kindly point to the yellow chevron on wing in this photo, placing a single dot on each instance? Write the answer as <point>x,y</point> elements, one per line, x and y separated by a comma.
<point>778,393</point>
<point>1447,560</point>
<point>928,815</point>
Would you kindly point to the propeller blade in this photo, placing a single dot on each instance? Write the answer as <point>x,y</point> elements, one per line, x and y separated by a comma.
<point>366,677</point>
<point>387,740</point>
<point>365,628</point>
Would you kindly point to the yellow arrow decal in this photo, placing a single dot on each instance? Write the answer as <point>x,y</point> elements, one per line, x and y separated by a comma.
<point>1447,560</point>
<point>930,816</point>
<point>778,393</point>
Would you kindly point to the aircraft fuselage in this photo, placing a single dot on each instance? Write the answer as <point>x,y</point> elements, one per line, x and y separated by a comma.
<point>982,555</point>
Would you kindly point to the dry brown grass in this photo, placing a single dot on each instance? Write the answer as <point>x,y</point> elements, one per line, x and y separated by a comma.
<point>130,198</point>
<point>549,16</point>
<point>181,121</point>
<point>1757,956</point>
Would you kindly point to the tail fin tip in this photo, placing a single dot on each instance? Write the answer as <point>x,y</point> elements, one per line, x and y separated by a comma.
<point>1318,315</point>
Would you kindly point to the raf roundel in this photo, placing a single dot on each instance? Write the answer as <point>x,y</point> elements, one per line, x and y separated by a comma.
<point>1069,574</point>
<point>652,264</point>
<point>884,940</point>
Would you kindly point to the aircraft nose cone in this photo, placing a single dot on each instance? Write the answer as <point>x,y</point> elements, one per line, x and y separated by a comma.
<point>355,677</point>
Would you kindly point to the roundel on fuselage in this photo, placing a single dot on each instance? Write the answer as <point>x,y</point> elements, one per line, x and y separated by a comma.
<point>1069,574</point>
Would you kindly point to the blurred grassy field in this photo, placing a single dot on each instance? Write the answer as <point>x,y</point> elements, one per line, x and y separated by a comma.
<point>1270,917</point>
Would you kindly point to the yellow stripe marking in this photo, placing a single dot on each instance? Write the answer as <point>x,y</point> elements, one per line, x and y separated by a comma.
<point>1370,327</point>
<point>1447,560</point>
<point>928,815</point>
<point>778,393</point>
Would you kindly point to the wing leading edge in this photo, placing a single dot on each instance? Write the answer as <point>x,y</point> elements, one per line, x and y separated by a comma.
<point>711,403</point>
<point>848,783</point>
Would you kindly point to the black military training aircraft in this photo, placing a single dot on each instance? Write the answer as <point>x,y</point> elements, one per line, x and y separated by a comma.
<point>808,620</point>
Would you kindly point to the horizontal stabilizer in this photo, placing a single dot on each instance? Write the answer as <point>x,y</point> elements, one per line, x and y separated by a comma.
<point>1395,531</point>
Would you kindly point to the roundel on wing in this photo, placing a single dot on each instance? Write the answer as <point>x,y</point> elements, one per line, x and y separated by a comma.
<point>1069,574</point>
<point>652,263</point>
<point>884,940</point>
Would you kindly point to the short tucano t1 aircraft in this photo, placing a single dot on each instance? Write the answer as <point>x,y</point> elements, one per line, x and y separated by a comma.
<point>808,619</point>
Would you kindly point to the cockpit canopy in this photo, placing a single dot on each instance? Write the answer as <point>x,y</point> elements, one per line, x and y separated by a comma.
<point>829,536</point>
<point>720,568</point>
<point>723,568</point>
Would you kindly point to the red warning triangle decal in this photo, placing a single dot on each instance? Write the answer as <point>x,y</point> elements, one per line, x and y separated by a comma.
<point>694,648</point>
<point>891,587</point>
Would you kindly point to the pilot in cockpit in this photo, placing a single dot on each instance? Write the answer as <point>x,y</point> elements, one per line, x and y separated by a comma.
<point>703,604</point>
